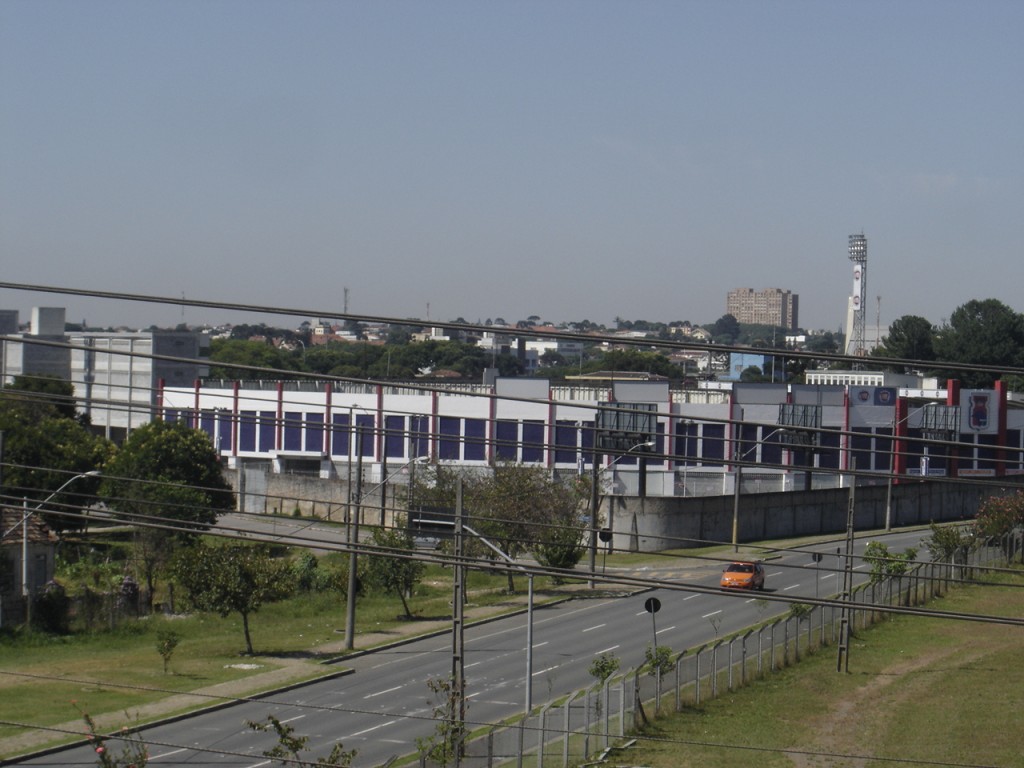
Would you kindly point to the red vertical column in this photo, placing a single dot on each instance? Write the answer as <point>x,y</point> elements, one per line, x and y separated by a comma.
<point>1001,438</point>
<point>899,434</point>
<point>952,400</point>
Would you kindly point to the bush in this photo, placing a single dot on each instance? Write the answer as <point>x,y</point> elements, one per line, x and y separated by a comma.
<point>51,610</point>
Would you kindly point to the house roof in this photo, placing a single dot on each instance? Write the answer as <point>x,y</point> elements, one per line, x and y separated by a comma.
<point>10,520</point>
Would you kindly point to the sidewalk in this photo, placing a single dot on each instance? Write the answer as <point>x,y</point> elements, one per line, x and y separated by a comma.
<point>289,672</point>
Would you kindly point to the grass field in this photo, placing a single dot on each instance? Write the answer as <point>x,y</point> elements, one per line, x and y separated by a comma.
<point>922,691</point>
<point>919,691</point>
<point>46,680</point>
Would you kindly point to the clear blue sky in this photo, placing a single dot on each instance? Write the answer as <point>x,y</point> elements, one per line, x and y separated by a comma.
<point>563,159</point>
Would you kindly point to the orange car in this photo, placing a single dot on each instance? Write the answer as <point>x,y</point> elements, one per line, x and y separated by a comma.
<point>743,575</point>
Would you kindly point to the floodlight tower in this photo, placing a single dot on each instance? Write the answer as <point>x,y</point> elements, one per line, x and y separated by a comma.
<point>855,343</point>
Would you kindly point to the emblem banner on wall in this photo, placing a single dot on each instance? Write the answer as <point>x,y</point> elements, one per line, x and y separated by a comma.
<point>979,411</point>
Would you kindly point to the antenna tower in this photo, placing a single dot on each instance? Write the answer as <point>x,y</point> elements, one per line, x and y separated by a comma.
<point>859,257</point>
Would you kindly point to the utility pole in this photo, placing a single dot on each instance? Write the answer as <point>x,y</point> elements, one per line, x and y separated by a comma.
<point>458,692</point>
<point>353,542</point>
<point>843,657</point>
<point>594,501</point>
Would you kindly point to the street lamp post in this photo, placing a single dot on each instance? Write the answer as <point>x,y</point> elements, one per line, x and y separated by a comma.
<point>739,456</point>
<point>26,514</point>
<point>353,541</point>
<point>595,500</point>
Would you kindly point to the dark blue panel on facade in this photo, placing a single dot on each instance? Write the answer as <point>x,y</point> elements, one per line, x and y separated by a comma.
<point>506,440</point>
<point>828,449</point>
<point>565,442</point>
<point>394,437</point>
<point>420,427</point>
<point>268,430</point>
<point>860,447</point>
<point>686,444</point>
<point>987,450</point>
<point>224,425</point>
<point>476,440</point>
<point>1014,457</point>
<point>247,431</point>
<point>341,435</point>
<point>533,441</point>
<point>292,431</point>
<point>365,427</point>
<point>448,447</point>
<point>587,442</point>
<point>713,442</point>
<point>771,450</point>
<point>315,432</point>
<point>171,415</point>
<point>206,420</point>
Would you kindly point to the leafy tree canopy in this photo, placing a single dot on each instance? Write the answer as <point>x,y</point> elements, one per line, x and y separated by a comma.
<point>168,470</point>
<point>234,578</point>
<point>910,337</point>
<point>43,449</point>
<point>983,332</point>
<point>245,358</point>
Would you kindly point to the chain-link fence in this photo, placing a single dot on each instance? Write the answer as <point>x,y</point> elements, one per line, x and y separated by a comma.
<point>587,726</point>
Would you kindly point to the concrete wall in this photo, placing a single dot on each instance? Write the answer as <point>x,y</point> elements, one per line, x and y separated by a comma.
<point>654,524</point>
<point>658,523</point>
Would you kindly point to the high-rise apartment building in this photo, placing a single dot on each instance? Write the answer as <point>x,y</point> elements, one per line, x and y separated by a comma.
<point>772,306</point>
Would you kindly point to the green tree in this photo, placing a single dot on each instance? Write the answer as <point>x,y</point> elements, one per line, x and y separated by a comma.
<point>981,332</point>
<point>166,641</point>
<point>43,449</point>
<point>392,569</point>
<point>234,578</point>
<point>515,507</point>
<point>946,541</point>
<point>47,392</point>
<point>289,748</point>
<point>887,566</point>
<point>658,660</point>
<point>243,359</point>
<point>911,338</point>
<point>134,752</point>
<point>725,330</point>
<point>604,666</point>
<point>168,479</point>
<point>998,515</point>
<point>446,743</point>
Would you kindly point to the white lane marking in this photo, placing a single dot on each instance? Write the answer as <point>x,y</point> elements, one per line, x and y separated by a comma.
<point>709,615</point>
<point>369,730</point>
<point>539,645</point>
<point>542,671</point>
<point>691,597</point>
<point>596,626</point>
<point>381,693</point>
<point>792,587</point>
<point>168,754</point>
<point>606,650</point>
<point>666,629</point>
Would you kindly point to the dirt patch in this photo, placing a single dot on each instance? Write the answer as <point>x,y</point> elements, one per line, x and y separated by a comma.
<point>841,730</point>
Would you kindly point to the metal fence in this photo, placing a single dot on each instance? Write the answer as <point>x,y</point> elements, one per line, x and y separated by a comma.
<point>588,725</point>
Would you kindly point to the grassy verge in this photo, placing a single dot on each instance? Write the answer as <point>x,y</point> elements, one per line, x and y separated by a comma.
<point>45,680</point>
<point>918,689</point>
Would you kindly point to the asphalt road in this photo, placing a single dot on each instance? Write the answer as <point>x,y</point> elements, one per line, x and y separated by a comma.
<point>383,706</point>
